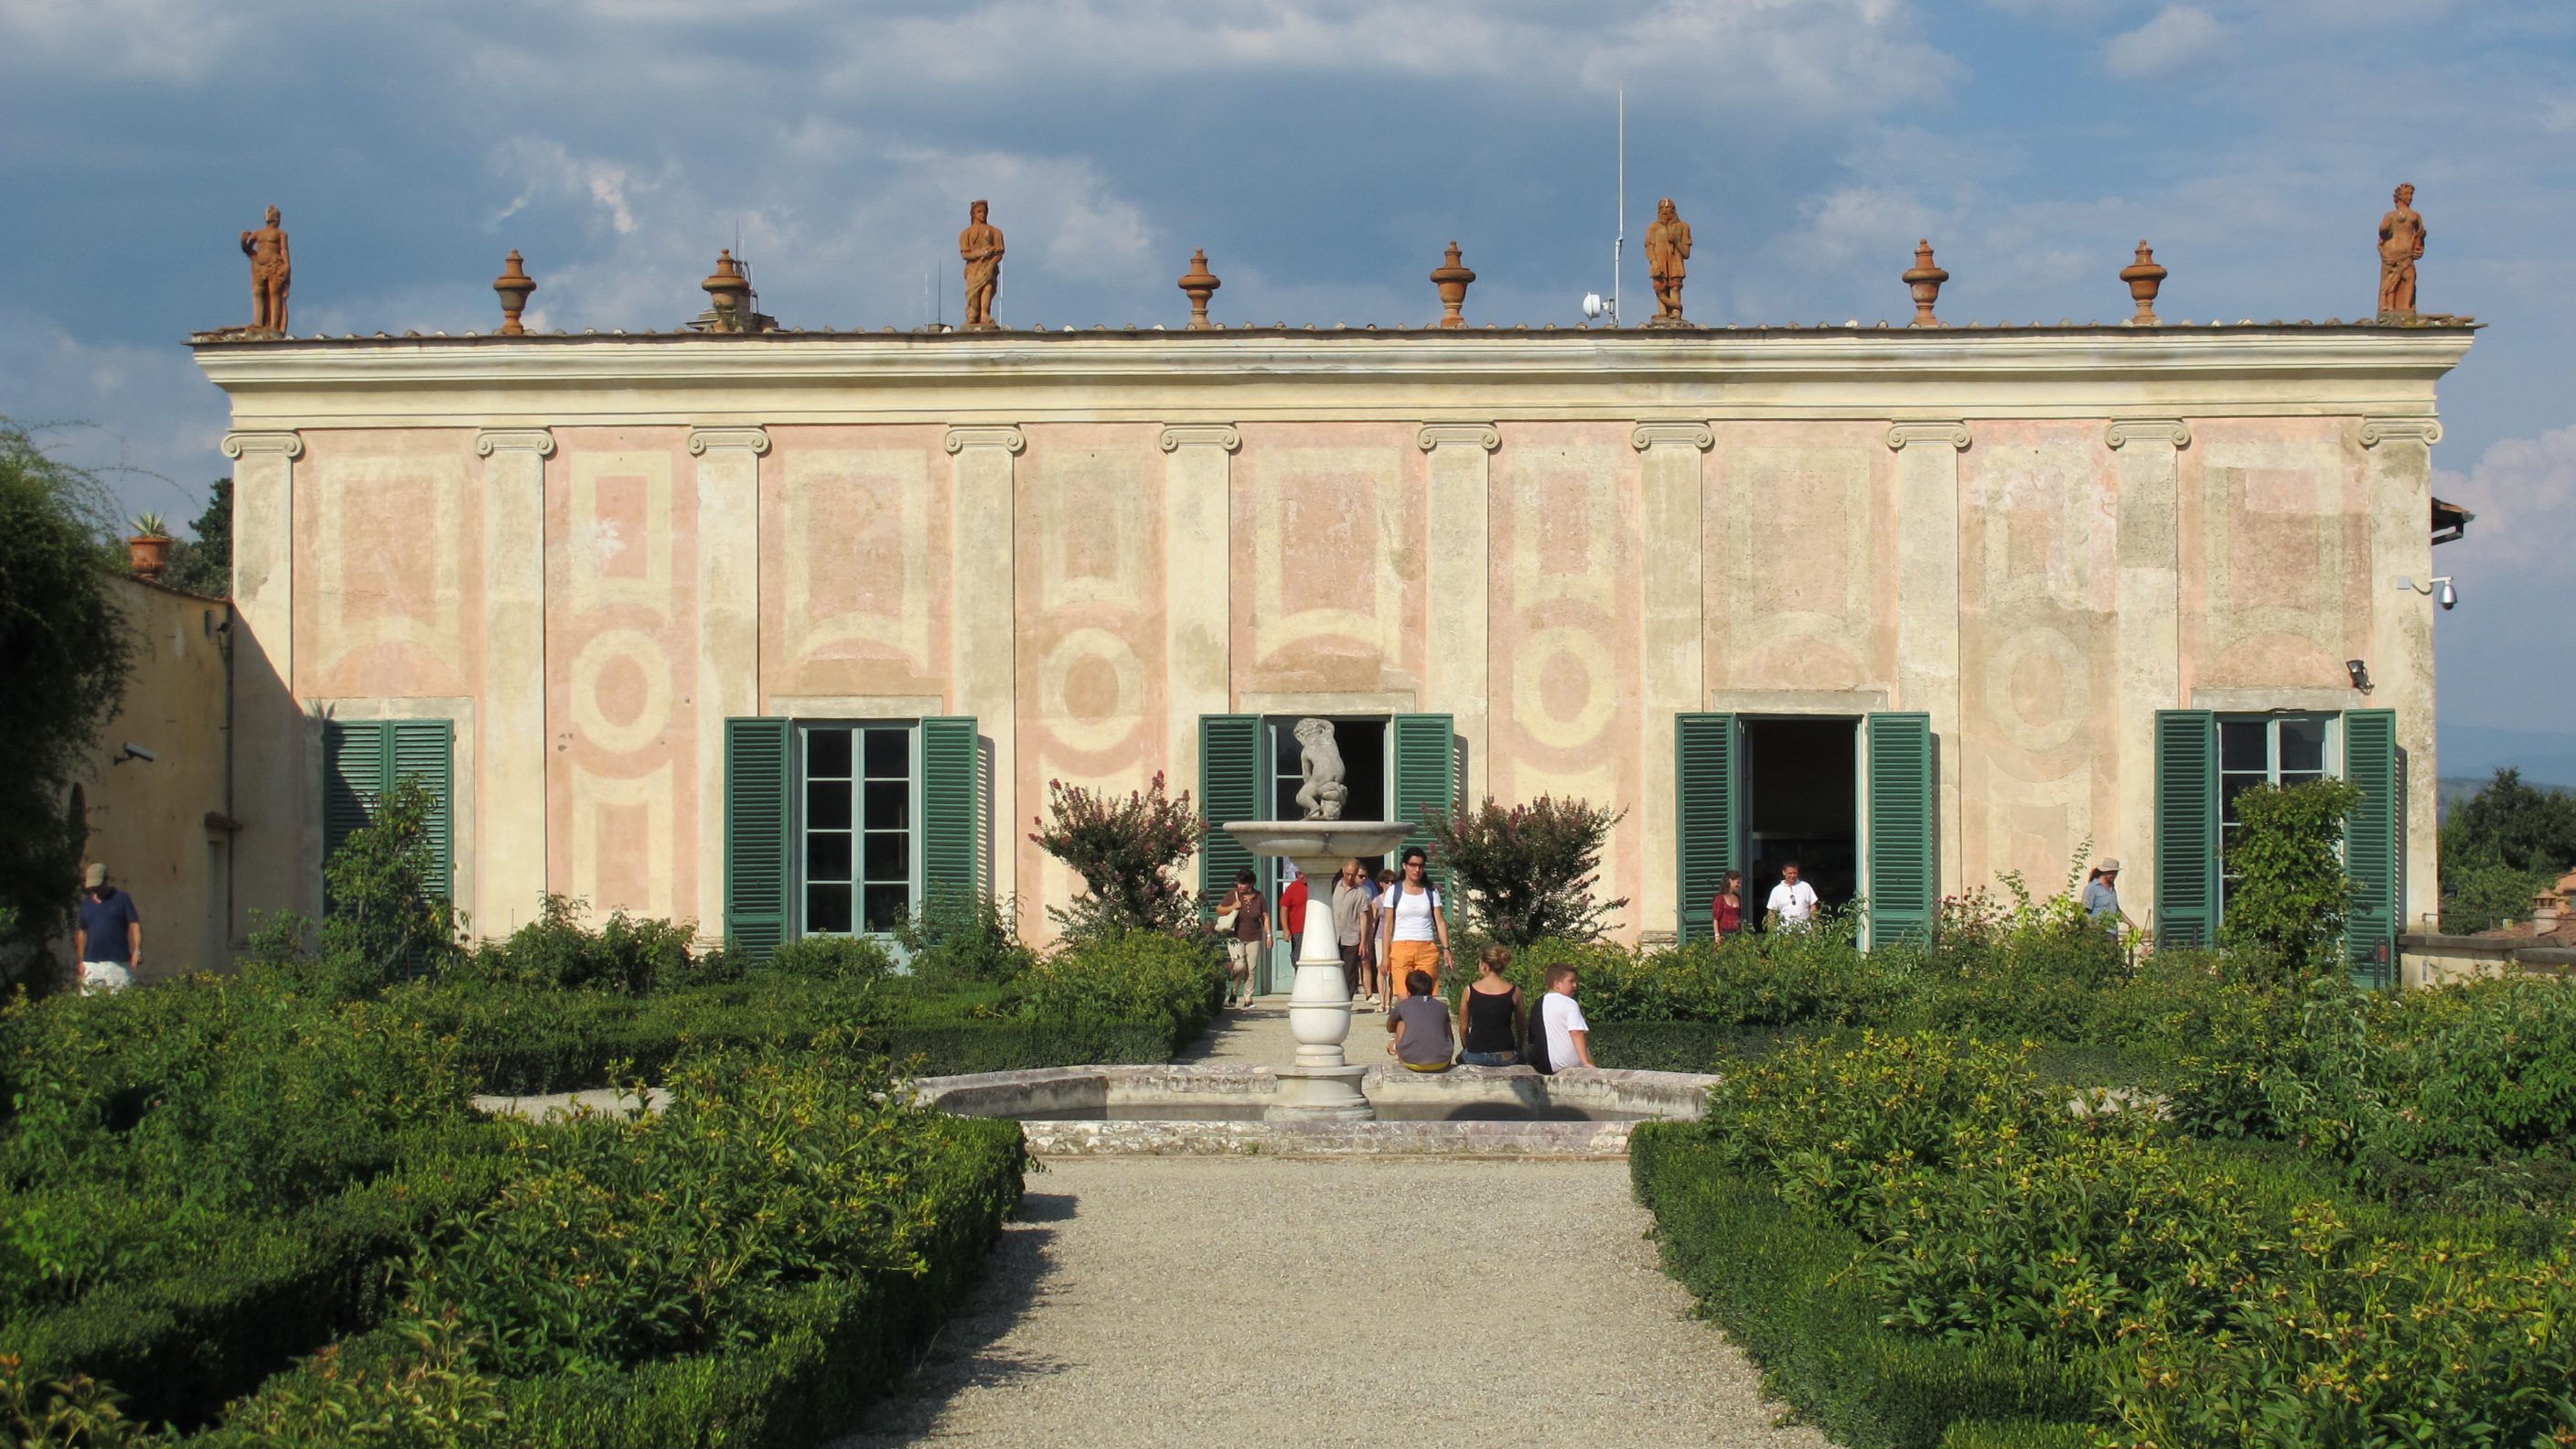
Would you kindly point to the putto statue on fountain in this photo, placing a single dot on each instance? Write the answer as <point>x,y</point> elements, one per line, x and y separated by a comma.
<point>1323,794</point>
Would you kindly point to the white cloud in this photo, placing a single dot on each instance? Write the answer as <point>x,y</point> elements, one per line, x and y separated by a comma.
<point>2523,491</point>
<point>144,417</point>
<point>2178,34</point>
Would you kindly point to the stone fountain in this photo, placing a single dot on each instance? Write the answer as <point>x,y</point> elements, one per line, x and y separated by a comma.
<point>1322,1084</point>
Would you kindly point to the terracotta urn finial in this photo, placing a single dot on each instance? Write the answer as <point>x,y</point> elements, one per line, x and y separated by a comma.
<point>514,284</point>
<point>1198,286</point>
<point>731,292</point>
<point>1452,280</point>
<point>1926,280</point>
<point>2144,277</point>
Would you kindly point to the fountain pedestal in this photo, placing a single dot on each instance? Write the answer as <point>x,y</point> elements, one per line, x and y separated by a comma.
<point>1321,1084</point>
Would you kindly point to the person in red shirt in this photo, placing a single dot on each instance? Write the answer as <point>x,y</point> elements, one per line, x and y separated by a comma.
<point>1292,909</point>
<point>1726,911</point>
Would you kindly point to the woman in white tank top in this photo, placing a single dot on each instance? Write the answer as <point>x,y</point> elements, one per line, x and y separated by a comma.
<point>1416,933</point>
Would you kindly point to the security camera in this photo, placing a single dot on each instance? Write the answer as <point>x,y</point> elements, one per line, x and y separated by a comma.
<point>2445,595</point>
<point>136,752</point>
<point>1592,304</point>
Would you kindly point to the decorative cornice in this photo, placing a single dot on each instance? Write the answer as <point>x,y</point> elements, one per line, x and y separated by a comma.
<point>2124,431</point>
<point>2375,431</point>
<point>701,439</point>
<point>1954,434</point>
<point>1482,435</point>
<point>236,444</point>
<point>539,441</point>
<point>1005,436</point>
<point>1196,435</point>
<point>1646,435</point>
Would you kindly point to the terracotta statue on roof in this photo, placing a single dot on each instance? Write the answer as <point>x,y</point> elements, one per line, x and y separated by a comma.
<point>2401,243</point>
<point>270,273</point>
<point>981,245</point>
<point>1668,249</point>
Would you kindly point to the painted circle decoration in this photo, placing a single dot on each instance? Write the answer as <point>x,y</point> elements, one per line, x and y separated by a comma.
<point>590,671</point>
<point>1077,665</point>
<point>1541,652</point>
<point>2039,689</point>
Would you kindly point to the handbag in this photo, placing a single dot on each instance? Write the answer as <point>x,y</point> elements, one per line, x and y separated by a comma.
<point>1225,920</point>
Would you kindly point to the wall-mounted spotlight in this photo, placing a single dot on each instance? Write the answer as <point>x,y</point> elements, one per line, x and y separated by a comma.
<point>2360,672</point>
<point>134,752</point>
<point>2439,588</point>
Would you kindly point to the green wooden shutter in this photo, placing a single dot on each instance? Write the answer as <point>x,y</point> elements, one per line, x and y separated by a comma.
<point>354,767</point>
<point>2187,864</point>
<point>757,817</point>
<point>952,807</point>
<point>2374,845</point>
<point>1229,790</point>
<point>427,748</point>
<point>1904,880</point>
<point>1708,779</point>
<point>1426,774</point>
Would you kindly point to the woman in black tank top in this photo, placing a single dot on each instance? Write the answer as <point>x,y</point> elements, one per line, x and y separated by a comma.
<point>1490,1015</point>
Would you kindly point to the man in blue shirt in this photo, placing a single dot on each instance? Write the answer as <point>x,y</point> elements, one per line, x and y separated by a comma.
<point>109,938</point>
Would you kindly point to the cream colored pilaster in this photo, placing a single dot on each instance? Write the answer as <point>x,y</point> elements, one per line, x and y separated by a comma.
<point>268,729</point>
<point>510,785</point>
<point>2401,632</point>
<point>2149,642</point>
<point>1927,610</point>
<point>1457,663</point>
<point>728,548</point>
<point>984,670</point>
<point>1674,647</point>
<point>1198,588</point>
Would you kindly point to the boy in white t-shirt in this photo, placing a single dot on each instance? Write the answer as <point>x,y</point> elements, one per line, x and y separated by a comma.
<point>1793,899</point>
<point>1569,1036</point>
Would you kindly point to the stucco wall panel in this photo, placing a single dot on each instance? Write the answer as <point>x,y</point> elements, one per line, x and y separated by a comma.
<point>854,524</point>
<point>1329,555</point>
<point>1800,536</point>
<point>389,560</point>
<point>2280,526</point>
<point>2038,583</point>
<point>621,649</point>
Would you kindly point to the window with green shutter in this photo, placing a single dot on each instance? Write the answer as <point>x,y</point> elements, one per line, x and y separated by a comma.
<point>362,759</point>
<point>952,807</point>
<point>1426,773</point>
<point>758,850</point>
<point>1903,885</point>
<point>2187,860</point>
<point>1708,781</point>
<point>2374,851</point>
<point>1229,789</point>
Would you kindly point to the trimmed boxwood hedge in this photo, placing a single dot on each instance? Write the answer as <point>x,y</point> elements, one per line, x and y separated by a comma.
<point>1774,1278</point>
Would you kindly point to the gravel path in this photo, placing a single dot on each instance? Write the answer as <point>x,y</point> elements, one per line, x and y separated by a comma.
<point>1153,1302</point>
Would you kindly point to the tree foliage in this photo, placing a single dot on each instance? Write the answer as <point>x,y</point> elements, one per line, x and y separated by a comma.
<point>1128,852</point>
<point>2292,895</point>
<point>205,565</point>
<point>387,914</point>
<point>68,650</point>
<point>1526,872</point>
<point>2502,846</point>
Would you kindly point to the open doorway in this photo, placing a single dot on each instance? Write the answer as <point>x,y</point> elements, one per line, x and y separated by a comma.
<point>1802,805</point>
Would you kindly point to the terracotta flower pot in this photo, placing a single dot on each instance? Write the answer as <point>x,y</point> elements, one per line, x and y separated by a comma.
<point>149,556</point>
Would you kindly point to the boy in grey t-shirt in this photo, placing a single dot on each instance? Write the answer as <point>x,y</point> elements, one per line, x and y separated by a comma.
<point>1423,1041</point>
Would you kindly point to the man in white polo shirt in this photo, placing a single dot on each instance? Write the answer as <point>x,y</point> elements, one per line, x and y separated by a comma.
<point>1793,900</point>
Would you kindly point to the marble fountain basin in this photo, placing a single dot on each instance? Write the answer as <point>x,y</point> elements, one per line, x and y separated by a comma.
<point>1220,1110</point>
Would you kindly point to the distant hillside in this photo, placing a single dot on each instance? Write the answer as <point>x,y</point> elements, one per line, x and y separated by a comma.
<point>2476,752</point>
<point>2456,788</point>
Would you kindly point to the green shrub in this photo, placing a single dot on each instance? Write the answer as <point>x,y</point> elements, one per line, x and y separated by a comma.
<point>2292,894</point>
<point>76,1412</point>
<point>555,951</point>
<point>830,958</point>
<point>1525,874</point>
<point>387,917</point>
<point>1142,976</point>
<point>1776,1279</point>
<point>2017,1434</point>
<point>2497,1077</point>
<point>1659,1046</point>
<point>963,937</point>
<point>1128,852</point>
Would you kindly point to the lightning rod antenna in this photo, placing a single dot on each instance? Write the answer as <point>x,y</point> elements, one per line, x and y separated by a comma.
<point>1619,247</point>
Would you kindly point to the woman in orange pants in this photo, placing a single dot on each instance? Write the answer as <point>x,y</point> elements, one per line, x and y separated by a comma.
<point>1414,934</point>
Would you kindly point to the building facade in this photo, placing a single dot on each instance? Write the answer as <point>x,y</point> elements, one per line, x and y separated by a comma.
<point>781,631</point>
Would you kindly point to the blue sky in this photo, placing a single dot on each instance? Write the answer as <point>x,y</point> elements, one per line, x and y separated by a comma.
<point>1323,151</point>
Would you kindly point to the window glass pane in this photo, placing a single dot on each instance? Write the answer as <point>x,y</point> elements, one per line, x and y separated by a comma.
<point>827,754</point>
<point>889,856</point>
<point>2230,787</point>
<point>2303,746</point>
<point>889,754</point>
<point>827,805</point>
<point>827,856</point>
<point>889,804</point>
<point>827,908</point>
<point>2242,745</point>
<point>887,905</point>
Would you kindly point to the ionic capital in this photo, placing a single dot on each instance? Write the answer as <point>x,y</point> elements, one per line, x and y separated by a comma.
<point>1006,436</point>
<point>2124,431</point>
<point>290,444</point>
<point>701,439</point>
<point>515,440</point>
<point>1195,435</point>
<point>2375,431</point>
<point>1481,435</point>
<point>1647,435</point>
<point>1954,434</point>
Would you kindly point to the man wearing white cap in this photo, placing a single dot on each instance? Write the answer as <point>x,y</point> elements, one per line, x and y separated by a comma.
<point>2102,894</point>
<point>109,938</point>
